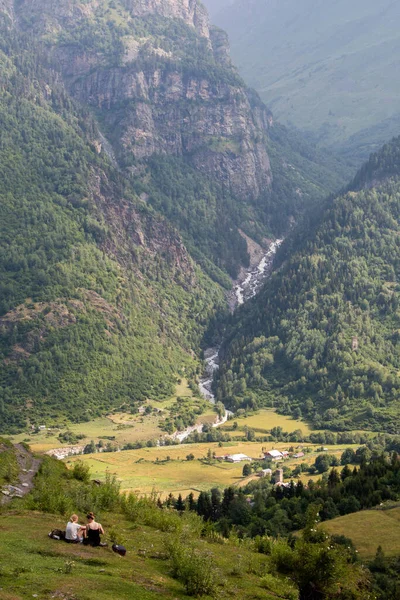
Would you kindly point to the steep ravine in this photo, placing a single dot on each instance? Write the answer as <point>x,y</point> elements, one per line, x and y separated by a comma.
<point>249,284</point>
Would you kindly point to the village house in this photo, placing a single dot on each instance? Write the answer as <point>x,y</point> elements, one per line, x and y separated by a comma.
<point>265,473</point>
<point>237,458</point>
<point>274,455</point>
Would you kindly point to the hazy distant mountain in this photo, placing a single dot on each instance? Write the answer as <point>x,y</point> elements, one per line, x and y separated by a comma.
<point>214,6</point>
<point>329,68</point>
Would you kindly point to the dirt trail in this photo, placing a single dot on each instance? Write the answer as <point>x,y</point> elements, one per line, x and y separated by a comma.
<point>29,466</point>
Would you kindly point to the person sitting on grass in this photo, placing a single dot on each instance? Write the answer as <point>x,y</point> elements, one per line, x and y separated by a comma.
<point>93,532</point>
<point>74,532</point>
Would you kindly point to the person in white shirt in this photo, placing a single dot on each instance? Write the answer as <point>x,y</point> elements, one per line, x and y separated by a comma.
<point>74,531</point>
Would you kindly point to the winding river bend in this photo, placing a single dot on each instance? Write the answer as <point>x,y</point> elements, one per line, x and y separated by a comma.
<point>250,283</point>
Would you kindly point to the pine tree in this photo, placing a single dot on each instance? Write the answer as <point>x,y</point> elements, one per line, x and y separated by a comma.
<point>179,504</point>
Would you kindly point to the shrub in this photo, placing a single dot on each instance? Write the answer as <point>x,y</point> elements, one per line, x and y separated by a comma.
<point>193,568</point>
<point>81,471</point>
<point>56,492</point>
<point>282,557</point>
<point>263,545</point>
<point>147,512</point>
<point>8,466</point>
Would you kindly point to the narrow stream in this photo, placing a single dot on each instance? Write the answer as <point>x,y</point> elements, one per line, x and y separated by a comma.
<point>243,291</point>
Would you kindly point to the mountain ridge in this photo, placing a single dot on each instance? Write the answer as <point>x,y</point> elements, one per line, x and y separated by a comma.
<point>124,260</point>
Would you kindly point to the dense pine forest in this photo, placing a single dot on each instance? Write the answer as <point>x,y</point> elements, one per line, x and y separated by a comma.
<point>372,480</point>
<point>320,341</point>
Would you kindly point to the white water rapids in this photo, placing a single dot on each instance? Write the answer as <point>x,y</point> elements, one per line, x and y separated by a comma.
<point>244,290</point>
<point>256,277</point>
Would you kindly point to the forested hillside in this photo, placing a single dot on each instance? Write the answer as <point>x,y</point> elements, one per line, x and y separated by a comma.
<point>327,68</point>
<point>182,125</point>
<point>99,300</point>
<point>321,340</point>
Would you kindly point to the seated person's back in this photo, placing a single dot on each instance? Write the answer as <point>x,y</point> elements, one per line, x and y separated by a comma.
<point>93,530</point>
<point>73,530</point>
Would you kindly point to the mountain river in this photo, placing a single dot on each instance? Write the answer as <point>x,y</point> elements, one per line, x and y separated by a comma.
<point>249,285</point>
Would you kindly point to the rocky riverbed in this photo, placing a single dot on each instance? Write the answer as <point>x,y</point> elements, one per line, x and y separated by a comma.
<point>246,287</point>
<point>251,280</point>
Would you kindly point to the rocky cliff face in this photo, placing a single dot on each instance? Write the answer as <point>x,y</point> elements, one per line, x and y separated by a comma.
<point>212,123</point>
<point>7,7</point>
<point>191,12</point>
<point>137,239</point>
<point>52,15</point>
<point>170,91</point>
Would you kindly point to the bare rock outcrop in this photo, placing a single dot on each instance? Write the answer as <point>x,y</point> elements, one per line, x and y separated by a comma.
<point>155,100</point>
<point>192,12</point>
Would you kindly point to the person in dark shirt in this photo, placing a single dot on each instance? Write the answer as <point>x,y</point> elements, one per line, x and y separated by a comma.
<point>93,531</point>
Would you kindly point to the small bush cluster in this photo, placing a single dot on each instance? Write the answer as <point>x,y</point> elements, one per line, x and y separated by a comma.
<point>193,568</point>
<point>60,491</point>
<point>282,588</point>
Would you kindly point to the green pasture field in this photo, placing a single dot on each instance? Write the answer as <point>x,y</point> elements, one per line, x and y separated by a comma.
<point>33,565</point>
<point>148,470</point>
<point>162,478</point>
<point>369,529</point>
<point>124,428</point>
<point>264,420</point>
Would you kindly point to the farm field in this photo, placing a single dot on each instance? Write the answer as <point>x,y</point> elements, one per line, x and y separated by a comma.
<point>124,429</point>
<point>127,428</point>
<point>147,470</point>
<point>162,478</point>
<point>264,420</point>
<point>369,529</point>
<point>165,469</point>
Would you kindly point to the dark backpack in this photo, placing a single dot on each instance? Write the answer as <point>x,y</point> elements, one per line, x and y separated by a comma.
<point>121,550</point>
<point>57,534</point>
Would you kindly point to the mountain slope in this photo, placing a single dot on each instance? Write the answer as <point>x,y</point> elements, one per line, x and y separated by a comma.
<point>327,69</point>
<point>194,140</point>
<point>321,339</point>
<point>100,301</point>
<point>131,156</point>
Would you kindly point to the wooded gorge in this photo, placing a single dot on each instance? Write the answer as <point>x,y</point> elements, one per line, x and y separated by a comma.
<point>199,306</point>
<point>127,170</point>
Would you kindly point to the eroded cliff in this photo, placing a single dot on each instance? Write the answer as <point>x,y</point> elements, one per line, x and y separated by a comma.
<point>162,82</point>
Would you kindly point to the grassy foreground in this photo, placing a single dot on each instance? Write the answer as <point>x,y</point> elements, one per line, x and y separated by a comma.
<point>171,554</point>
<point>31,563</point>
